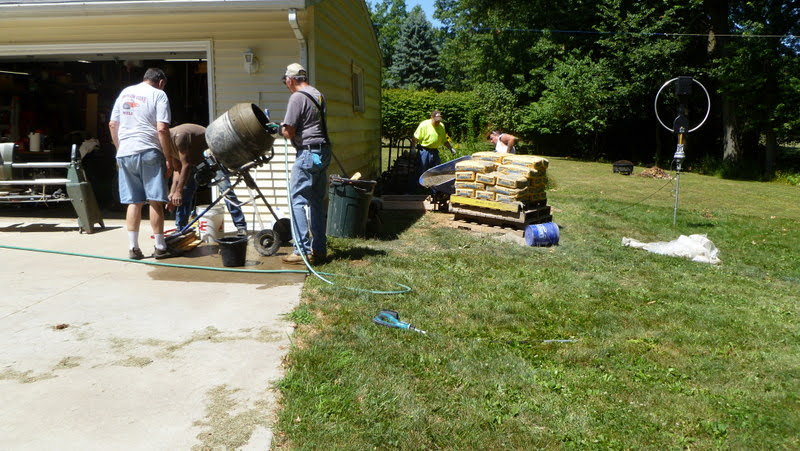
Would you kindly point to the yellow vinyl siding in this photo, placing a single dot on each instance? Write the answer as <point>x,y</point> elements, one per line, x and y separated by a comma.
<point>343,36</point>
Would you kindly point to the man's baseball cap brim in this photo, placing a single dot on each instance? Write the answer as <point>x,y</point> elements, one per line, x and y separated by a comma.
<point>294,70</point>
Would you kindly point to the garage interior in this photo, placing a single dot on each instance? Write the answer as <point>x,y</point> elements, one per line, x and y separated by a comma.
<point>50,102</point>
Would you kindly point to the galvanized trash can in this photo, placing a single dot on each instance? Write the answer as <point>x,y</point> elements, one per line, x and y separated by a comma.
<point>348,206</point>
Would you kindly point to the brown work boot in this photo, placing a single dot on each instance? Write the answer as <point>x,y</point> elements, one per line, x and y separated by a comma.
<point>295,259</point>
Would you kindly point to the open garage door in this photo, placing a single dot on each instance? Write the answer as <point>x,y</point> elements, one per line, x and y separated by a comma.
<point>54,96</point>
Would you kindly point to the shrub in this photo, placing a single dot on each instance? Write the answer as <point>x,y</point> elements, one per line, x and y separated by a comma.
<point>787,178</point>
<point>403,110</point>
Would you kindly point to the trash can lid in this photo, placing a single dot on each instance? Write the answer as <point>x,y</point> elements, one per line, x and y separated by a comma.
<point>363,184</point>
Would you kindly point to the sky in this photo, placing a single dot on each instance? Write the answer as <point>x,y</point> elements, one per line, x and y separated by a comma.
<point>427,6</point>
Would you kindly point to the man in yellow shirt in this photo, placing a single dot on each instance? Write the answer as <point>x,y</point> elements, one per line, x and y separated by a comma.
<point>428,138</point>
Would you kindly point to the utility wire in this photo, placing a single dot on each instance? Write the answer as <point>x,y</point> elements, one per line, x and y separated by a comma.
<point>669,181</point>
<point>641,33</point>
<point>648,197</point>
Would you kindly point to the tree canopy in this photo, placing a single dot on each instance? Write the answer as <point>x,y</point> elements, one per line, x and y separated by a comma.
<point>586,73</point>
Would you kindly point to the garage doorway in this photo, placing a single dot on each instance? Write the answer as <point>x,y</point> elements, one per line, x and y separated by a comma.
<point>66,93</point>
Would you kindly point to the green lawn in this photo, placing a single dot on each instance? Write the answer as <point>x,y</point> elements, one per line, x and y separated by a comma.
<point>669,353</point>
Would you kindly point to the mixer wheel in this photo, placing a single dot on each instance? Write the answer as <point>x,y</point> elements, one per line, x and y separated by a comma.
<point>266,242</point>
<point>283,230</point>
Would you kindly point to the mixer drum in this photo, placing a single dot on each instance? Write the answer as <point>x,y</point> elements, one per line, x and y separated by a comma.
<point>239,136</point>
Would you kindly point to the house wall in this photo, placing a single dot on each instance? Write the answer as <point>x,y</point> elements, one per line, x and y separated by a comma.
<point>343,36</point>
<point>338,33</point>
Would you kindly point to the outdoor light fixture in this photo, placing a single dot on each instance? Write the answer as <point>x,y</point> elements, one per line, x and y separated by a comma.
<point>250,61</point>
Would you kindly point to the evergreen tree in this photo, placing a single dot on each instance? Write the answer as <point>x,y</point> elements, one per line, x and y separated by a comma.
<point>416,58</point>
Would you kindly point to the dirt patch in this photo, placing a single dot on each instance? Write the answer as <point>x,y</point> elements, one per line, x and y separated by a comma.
<point>438,218</point>
<point>28,377</point>
<point>133,361</point>
<point>213,335</point>
<point>68,362</point>
<point>25,378</point>
<point>225,429</point>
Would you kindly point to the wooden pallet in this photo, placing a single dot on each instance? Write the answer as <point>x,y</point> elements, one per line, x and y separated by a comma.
<point>478,226</point>
<point>516,215</point>
<point>487,204</point>
<point>405,202</point>
<point>511,234</point>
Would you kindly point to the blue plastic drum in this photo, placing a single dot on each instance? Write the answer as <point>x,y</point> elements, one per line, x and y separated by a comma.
<point>542,234</point>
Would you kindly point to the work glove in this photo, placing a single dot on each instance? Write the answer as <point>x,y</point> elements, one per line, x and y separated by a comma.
<point>273,128</point>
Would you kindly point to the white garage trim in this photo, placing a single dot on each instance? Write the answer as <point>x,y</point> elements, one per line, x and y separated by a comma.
<point>31,8</point>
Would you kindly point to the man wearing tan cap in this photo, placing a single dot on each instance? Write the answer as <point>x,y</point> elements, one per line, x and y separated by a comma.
<point>304,124</point>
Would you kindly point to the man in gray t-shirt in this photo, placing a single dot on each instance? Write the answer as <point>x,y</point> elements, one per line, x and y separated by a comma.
<point>304,116</point>
<point>304,124</point>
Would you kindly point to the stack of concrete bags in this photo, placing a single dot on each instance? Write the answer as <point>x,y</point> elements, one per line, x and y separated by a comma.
<point>502,177</point>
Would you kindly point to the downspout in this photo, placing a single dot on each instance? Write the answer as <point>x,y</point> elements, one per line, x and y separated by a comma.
<point>301,41</point>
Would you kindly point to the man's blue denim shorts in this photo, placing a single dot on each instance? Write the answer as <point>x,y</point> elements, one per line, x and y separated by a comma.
<point>142,177</point>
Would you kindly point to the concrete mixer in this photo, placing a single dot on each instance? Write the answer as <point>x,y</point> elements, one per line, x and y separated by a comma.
<point>239,140</point>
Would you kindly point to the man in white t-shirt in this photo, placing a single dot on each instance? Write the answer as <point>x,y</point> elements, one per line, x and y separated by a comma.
<point>503,142</point>
<point>139,127</point>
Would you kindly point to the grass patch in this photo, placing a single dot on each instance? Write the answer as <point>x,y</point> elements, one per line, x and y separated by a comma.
<point>301,315</point>
<point>669,353</point>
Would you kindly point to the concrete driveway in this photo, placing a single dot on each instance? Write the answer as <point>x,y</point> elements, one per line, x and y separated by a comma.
<point>106,354</point>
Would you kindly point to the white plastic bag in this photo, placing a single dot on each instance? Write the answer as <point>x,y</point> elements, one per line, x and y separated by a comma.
<point>698,248</point>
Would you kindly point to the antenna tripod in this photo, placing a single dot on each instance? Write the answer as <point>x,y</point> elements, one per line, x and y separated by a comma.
<point>680,126</point>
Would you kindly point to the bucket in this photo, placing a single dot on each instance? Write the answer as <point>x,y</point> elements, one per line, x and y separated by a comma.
<point>239,136</point>
<point>542,234</point>
<point>211,225</point>
<point>348,206</point>
<point>233,250</point>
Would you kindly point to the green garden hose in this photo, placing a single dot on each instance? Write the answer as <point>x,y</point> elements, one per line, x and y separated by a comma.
<point>155,263</point>
<point>319,275</point>
<point>296,242</point>
<point>405,289</point>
